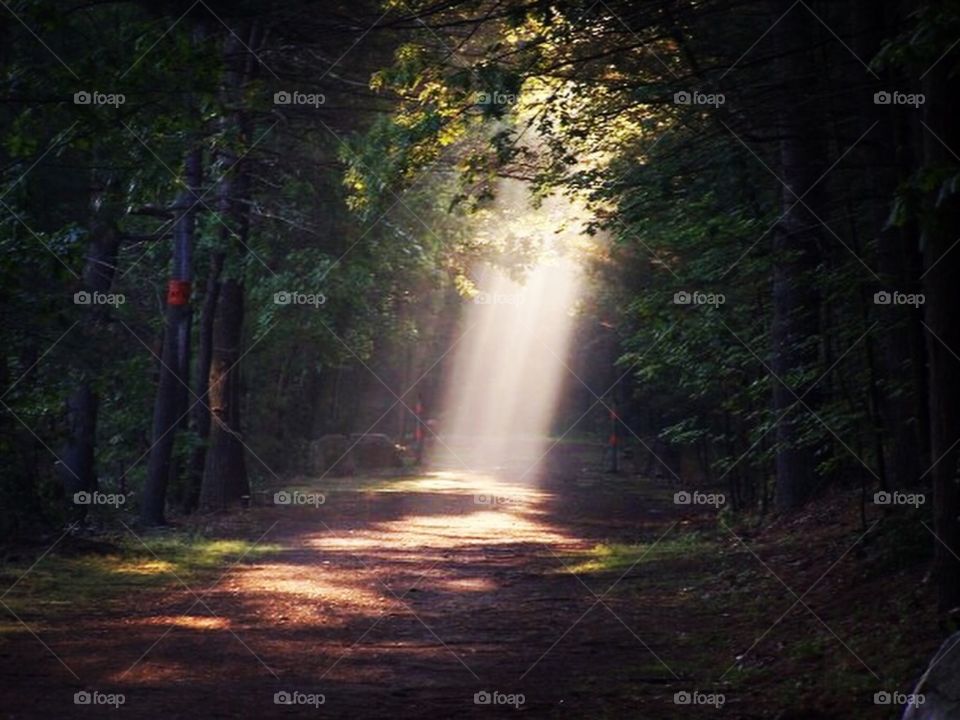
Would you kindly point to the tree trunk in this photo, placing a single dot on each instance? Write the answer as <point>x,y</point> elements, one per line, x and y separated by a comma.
<point>225,476</point>
<point>78,468</point>
<point>174,368</point>
<point>941,230</point>
<point>200,414</point>
<point>78,465</point>
<point>796,256</point>
<point>890,153</point>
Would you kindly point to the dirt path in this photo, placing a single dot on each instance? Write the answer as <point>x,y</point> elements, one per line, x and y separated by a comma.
<point>406,604</point>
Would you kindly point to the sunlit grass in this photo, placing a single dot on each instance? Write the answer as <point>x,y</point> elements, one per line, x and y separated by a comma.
<point>611,557</point>
<point>60,584</point>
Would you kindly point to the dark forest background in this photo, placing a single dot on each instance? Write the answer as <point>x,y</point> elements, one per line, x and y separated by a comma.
<point>798,160</point>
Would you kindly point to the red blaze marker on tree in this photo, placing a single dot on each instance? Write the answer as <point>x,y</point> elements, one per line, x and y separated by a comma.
<point>178,292</point>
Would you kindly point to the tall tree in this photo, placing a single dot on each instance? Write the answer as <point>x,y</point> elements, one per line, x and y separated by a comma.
<point>941,230</point>
<point>78,457</point>
<point>225,476</point>
<point>797,244</point>
<point>175,358</point>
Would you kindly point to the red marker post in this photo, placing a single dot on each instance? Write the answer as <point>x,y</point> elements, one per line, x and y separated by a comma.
<point>614,442</point>
<point>418,431</point>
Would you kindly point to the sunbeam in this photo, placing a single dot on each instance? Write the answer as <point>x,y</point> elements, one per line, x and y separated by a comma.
<point>510,369</point>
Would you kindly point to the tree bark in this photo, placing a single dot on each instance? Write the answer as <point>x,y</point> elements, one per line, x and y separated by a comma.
<point>175,358</point>
<point>890,153</point>
<point>78,464</point>
<point>941,230</point>
<point>225,476</point>
<point>200,414</point>
<point>796,256</point>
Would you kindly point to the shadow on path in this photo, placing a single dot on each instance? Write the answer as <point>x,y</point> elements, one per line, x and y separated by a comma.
<point>401,604</point>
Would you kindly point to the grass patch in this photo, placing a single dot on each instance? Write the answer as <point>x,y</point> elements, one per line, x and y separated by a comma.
<point>611,557</point>
<point>62,584</point>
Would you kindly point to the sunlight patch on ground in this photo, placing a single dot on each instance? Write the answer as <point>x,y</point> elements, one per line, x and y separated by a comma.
<point>442,482</point>
<point>503,521</point>
<point>471,584</point>
<point>293,586</point>
<point>492,527</point>
<point>474,484</point>
<point>491,511</point>
<point>189,622</point>
<point>151,672</point>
